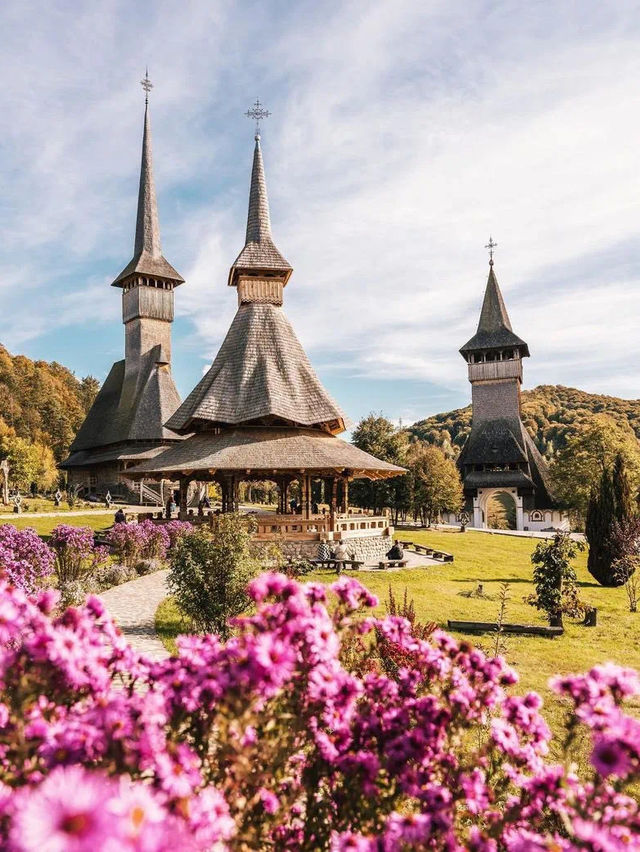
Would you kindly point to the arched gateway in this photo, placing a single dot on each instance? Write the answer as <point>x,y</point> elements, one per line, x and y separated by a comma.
<point>261,413</point>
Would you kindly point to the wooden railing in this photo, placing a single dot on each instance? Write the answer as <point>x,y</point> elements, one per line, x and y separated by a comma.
<point>319,526</point>
<point>511,369</point>
<point>294,527</point>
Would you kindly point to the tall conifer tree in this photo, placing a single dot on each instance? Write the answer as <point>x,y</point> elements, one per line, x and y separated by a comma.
<point>610,503</point>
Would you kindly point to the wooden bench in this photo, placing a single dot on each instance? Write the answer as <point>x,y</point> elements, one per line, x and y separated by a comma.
<point>423,550</point>
<point>517,629</point>
<point>334,564</point>
<point>442,556</point>
<point>393,563</point>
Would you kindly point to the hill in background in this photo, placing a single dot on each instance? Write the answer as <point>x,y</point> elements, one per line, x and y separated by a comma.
<point>551,413</point>
<point>42,402</point>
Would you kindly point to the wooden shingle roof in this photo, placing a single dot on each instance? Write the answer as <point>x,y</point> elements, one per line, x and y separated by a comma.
<point>494,328</point>
<point>130,408</point>
<point>259,253</point>
<point>147,252</point>
<point>261,371</point>
<point>266,451</point>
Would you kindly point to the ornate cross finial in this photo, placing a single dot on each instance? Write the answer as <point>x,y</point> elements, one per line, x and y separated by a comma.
<point>147,85</point>
<point>257,113</point>
<point>491,245</point>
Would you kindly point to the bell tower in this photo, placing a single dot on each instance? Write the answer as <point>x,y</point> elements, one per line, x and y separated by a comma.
<point>148,281</point>
<point>499,455</point>
<point>125,425</point>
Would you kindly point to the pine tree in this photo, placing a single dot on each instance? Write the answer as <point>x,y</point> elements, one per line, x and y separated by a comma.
<point>610,504</point>
<point>624,507</point>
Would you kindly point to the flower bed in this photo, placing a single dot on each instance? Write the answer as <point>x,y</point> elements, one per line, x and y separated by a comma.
<point>76,565</point>
<point>269,741</point>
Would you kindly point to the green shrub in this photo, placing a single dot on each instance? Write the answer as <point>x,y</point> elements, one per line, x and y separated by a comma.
<point>210,572</point>
<point>555,578</point>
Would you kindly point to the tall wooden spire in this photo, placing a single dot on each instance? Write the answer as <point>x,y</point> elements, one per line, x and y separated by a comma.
<point>259,258</point>
<point>147,252</point>
<point>494,328</point>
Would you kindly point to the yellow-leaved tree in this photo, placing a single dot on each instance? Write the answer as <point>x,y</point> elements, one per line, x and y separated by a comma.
<point>435,484</point>
<point>579,466</point>
<point>28,462</point>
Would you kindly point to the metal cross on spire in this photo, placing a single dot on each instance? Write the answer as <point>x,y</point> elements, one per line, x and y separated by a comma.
<point>491,245</point>
<point>147,85</point>
<point>257,113</point>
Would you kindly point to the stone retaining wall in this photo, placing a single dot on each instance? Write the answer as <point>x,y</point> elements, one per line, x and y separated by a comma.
<point>366,549</point>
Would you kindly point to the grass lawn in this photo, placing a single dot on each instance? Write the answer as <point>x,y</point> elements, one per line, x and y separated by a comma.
<point>491,560</point>
<point>43,526</point>
<point>170,623</point>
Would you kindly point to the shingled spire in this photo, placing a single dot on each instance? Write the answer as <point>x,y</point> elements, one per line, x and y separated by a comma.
<point>259,258</point>
<point>494,328</point>
<point>147,227</point>
<point>147,253</point>
<point>261,374</point>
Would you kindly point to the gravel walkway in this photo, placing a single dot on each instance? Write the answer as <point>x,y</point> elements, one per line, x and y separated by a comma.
<point>133,606</point>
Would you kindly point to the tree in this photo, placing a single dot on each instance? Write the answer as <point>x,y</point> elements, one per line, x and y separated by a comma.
<point>209,574</point>
<point>377,435</point>
<point>555,578</point>
<point>610,507</point>
<point>435,484</point>
<point>626,567</point>
<point>29,462</point>
<point>580,465</point>
<point>43,402</point>
<point>89,387</point>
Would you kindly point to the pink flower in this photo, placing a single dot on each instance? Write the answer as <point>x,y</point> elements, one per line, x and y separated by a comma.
<point>610,757</point>
<point>68,812</point>
<point>349,842</point>
<point>269,800</point>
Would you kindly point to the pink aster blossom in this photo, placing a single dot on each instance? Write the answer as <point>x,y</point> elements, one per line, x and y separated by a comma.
<point>68,812</point>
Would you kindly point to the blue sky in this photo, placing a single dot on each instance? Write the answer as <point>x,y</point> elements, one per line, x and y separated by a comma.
<point>402,135</point>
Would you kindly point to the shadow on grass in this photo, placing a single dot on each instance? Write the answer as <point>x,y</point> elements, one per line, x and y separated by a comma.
<point>509,580</point>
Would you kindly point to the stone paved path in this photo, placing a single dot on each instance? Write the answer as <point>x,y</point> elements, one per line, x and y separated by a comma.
<point>133,606</point>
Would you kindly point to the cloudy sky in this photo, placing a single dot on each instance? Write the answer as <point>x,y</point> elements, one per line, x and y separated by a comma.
<point>403,134</point>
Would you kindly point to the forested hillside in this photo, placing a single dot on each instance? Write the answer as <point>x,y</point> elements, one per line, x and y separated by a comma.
<point>551,413</point>
<point>42,402</point>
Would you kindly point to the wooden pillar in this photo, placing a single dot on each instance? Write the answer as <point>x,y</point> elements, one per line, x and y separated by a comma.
<point>229,494</point>
<point>235,499</point>
<point>345,496</point>
<point>333,503</point>
<point>306,496</point>
<point>183,509</point>
<point>284,482</point>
